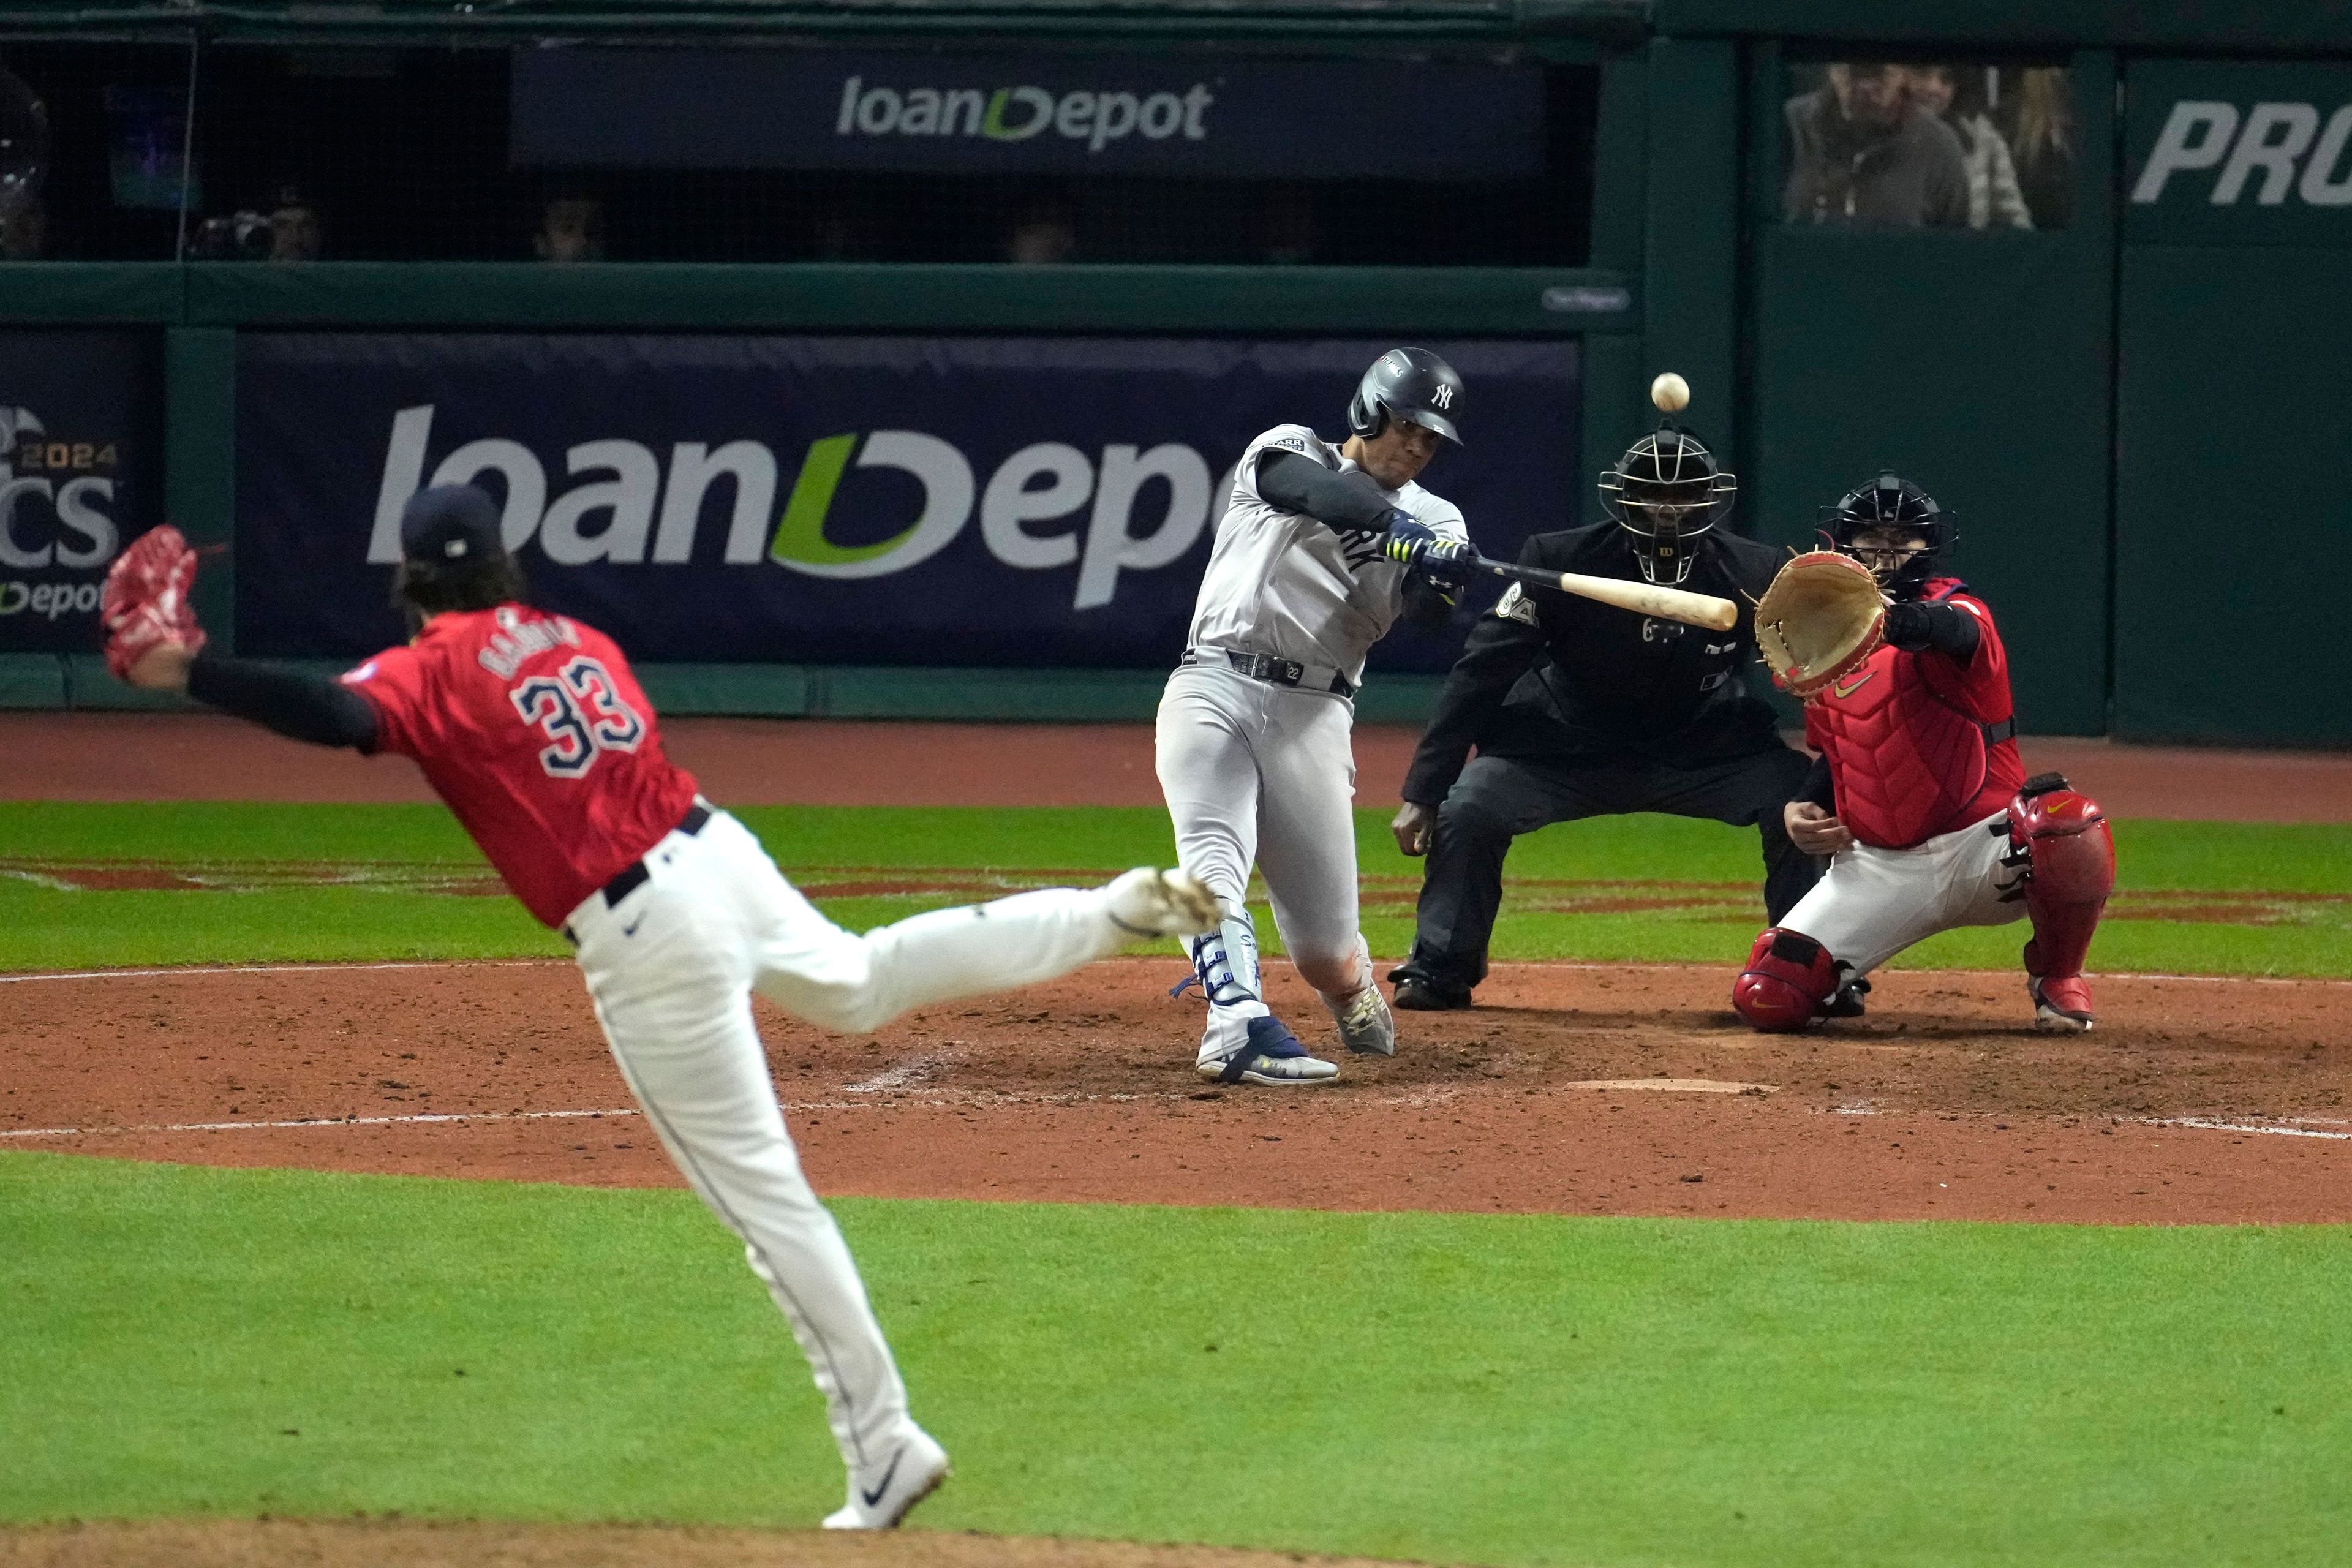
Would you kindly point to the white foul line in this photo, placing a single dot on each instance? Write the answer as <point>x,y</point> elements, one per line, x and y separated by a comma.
<point>2211,1125</point>
<point>316,1122</point>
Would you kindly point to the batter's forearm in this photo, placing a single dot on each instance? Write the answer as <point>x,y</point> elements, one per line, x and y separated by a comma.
<point>1344,503</point>
<point>293,702</point>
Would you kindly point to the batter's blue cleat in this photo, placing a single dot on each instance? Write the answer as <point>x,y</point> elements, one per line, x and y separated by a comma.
<point>1272,1057</point>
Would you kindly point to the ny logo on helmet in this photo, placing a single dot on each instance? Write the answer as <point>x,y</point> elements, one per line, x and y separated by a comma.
<point>1442,396</point>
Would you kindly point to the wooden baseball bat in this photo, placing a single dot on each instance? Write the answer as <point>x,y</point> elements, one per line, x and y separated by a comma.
<point>1642,598</point>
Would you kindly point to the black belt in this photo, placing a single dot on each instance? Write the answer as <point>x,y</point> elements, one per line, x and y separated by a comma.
<point>1267,668</point>
<point>1995,734</point>
<point>636,875</point>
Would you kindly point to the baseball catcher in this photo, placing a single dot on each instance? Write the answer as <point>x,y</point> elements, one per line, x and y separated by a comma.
<point>1917,794</point>
<point>535,731</point>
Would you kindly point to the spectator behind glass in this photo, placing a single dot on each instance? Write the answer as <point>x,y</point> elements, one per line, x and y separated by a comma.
<point>296,231</point>
<point>571,229</point>
<point>1861,153</point>
<point>1994,200</point>
<point>1044,233</point>
<point>2038,119</point>
<point>24,230</point>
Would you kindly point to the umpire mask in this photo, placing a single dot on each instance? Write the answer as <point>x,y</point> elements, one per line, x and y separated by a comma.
<point>1666,492</point>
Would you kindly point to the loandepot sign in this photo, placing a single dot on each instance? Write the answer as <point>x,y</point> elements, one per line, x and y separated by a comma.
<point>1098,119</point>
<point>1047,506</point>
<point>2236,154</point>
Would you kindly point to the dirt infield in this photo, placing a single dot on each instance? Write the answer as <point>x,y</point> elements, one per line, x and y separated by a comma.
<point>1572,1090</point>
<point>817,762</point>
<point>396,1544</point>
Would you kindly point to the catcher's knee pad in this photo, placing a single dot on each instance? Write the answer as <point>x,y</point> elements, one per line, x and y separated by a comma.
<point>1789,976</point>
<point>2069,854</point>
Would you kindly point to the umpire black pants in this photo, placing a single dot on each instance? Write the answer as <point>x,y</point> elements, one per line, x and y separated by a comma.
<point>1498,798</point>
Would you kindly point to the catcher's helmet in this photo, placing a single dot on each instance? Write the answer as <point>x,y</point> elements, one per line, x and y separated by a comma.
<point>1893,502</point>
<point>1411,384</point>
<point>1667,492</point>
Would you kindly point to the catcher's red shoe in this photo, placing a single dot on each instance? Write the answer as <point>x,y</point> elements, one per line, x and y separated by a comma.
<point>2061,1006</point>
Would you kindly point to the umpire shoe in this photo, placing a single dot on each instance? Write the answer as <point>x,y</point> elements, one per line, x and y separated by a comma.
<point>1273,1057</point>
<point>1145,902</point>
<point>1421,996</point>
<point>880,1494</point>
<point>2061,1007</point>
<point>1366,1025</point>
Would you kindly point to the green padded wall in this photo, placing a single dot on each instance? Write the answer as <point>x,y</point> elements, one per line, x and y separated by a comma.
<point>2234,495</point>
<point>1978,365</point>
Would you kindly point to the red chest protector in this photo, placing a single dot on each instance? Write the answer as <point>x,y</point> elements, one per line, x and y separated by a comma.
<point>1918,744</point>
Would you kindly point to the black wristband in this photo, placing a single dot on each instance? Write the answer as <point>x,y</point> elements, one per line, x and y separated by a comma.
<point>1948,628</point>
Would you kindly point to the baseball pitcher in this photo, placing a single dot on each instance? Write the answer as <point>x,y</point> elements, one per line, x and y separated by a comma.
<point>535,731</point>
<point>1321,548</point>
<point>1917,794</point>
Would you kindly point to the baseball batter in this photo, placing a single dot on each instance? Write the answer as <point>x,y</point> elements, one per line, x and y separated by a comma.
<point>1918,796</point>
<point>535,731</point>
<point>1321,548</point>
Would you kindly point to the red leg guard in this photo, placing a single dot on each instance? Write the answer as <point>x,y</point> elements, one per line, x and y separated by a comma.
<point>2071,870</point>
<point>1789,976</point>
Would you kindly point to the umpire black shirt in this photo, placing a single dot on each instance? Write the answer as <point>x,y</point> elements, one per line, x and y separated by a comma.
<point>1552,676</point>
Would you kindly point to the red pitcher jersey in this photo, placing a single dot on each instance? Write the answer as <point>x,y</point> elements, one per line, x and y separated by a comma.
<point>1908,736</point>
<point>532,728</point>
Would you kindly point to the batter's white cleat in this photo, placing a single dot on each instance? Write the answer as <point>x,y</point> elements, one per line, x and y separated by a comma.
<point>1272,1058</point>
<point>881,1494</point>
<point>1366,1025</point>
<point>1146,902</point>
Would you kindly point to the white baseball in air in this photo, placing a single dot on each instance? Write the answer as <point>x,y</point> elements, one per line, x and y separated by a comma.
<point>1671,392</point>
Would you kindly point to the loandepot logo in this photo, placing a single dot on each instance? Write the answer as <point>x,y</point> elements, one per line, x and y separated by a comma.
<point>2271,148</point>
<point>1048,507</point>
<point>1018,113</point>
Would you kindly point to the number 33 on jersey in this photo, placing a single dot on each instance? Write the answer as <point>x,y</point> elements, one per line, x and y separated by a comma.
<point>551,728</point>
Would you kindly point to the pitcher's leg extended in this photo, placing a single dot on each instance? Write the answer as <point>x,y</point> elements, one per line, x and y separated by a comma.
<point>674,1005</point>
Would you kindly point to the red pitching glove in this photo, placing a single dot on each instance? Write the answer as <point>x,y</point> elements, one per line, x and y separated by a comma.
<point>145,603</point>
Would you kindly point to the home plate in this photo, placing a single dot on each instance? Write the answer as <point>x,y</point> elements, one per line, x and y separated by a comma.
<point>1677,1085</point>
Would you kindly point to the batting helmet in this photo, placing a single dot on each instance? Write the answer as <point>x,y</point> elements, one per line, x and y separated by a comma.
<point>1411,384</point>
<point>1897,505</point>
<point>1667,492</point>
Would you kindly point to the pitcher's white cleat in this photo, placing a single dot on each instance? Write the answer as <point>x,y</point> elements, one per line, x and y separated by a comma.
<point>1148,902</point>
<point>881,1495</point>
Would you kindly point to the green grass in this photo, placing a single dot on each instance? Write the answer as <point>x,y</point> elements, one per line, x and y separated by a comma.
<point>1450,1388</point>
<point>41,927</point>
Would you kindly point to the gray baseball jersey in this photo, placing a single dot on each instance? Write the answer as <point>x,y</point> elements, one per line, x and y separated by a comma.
<point>1284,585</point>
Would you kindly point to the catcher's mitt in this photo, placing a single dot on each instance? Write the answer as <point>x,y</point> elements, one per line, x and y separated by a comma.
<point>145,602</point>
<point>1822,616</point>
